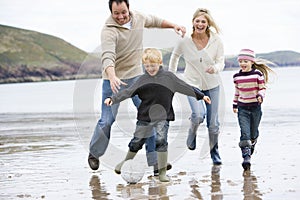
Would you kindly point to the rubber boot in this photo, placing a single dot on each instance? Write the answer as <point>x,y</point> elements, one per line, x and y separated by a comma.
<point>192,136</point>
<point>246,153</point>
<point>214,149</point>
<point>253,143</point>
<point>130,155</point>
<point>155,168</point>
<point>162,158</point>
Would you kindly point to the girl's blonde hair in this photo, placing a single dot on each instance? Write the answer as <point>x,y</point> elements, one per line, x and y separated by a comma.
<point>211,22</point>
<point>152,55</point>
<point>263,66</point>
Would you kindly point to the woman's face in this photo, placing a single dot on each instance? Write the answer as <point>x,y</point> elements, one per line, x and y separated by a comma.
<point>120,13</point>
<point>200,24</point>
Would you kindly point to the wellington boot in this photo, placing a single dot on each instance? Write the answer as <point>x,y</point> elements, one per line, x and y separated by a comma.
<point>162,158</point>
<point>192,136</point>
<point>130,155</point>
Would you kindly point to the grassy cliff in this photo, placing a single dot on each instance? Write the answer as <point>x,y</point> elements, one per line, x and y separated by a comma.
<point>32,56</point>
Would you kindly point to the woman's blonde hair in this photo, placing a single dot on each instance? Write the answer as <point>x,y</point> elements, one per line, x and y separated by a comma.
<point>152,55</point>
<point>211,22</point>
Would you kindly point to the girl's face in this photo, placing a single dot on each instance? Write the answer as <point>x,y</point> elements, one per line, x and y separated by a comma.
<point>200,24</point>
<point>245,65</point>
<point>120,13</point>
<point>151,68</point>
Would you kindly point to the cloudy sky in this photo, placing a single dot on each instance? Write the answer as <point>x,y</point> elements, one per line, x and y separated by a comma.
<point>263,25</point>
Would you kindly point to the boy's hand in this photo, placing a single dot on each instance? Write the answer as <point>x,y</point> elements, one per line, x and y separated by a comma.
<point>207,99</point>
<point>108,101</point>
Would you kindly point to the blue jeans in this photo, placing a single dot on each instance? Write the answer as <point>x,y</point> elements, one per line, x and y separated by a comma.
<point>249,118</point>
<point>200,109</point>
<point>145,130</point>
<point>101,136</point>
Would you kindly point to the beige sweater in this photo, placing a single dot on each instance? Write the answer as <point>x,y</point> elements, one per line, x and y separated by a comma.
<point>197,61</point>
<point>122,47</point>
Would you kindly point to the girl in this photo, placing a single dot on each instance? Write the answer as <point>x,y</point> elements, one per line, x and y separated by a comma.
<point>249,95</point>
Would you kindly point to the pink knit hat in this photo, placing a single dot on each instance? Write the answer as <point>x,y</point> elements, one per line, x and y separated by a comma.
<point>246,54</point>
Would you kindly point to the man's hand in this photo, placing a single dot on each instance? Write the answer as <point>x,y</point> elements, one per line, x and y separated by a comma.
<point>180,30</point>
<point>115,82</point>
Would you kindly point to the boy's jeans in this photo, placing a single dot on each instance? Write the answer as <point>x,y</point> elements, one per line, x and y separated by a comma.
<point>101,136</point>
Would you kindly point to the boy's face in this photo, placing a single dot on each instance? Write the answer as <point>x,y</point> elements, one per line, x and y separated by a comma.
<point>151,68</point>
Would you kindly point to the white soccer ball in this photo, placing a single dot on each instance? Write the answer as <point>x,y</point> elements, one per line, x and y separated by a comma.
<point>132,171</point>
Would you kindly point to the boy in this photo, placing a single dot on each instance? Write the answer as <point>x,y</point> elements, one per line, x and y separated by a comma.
<point>156,89</point>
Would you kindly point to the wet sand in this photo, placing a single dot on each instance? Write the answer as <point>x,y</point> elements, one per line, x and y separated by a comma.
<point>44,156</point>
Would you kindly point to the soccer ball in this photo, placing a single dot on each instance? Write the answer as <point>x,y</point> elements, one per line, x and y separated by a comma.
<point>132,171</point>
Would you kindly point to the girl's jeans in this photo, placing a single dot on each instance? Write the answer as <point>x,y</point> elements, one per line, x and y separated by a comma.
<point>249,118</point>
<point>101,136</point>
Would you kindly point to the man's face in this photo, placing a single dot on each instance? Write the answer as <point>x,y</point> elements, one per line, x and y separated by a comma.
<point>120,13</point>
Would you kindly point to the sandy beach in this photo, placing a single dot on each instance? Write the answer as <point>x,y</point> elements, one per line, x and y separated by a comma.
<point>44,156</point>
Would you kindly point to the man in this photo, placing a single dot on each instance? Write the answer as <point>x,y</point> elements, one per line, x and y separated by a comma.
<point>121,40</point>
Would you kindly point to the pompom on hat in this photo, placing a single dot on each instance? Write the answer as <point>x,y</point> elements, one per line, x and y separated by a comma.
<point>246,54</point>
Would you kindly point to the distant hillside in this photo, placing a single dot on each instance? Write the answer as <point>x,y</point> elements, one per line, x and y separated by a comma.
<point>280,58</point>
<point>27,56</point>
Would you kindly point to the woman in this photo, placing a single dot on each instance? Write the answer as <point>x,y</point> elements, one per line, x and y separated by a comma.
<point>203,53</point>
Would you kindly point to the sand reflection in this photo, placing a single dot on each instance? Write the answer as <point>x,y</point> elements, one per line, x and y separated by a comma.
<point>250,187</point>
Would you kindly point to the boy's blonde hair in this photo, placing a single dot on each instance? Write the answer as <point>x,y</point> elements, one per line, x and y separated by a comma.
<point>152,55</point>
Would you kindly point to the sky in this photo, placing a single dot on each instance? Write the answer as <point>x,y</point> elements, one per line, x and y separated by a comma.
<point>262,25</point>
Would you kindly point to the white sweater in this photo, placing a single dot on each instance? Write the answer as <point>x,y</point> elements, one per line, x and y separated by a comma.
<point>197,61</point>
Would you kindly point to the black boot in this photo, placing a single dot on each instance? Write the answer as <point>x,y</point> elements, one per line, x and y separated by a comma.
<point>246,153</point>
<point>93,162</point>
<point>253,143</point>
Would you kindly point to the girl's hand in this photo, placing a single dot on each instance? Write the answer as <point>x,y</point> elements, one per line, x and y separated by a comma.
<point>207,99</point>
<point>108,102</point>
<point>235,110</point>
<point>259,99</point>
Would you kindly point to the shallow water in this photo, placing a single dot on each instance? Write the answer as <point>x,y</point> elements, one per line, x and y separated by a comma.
<point>43,155</point>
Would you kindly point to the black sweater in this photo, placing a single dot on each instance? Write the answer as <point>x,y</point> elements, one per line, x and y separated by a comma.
<point>156,93</point>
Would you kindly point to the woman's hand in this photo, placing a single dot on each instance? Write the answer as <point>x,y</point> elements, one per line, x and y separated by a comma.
<point>210,70</point>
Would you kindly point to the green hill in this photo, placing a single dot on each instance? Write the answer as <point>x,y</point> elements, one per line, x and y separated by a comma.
<point>27,56</point>
<point>280,58</point>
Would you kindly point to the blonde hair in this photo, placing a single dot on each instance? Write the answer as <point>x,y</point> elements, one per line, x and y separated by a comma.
<point>263,66</point>
<point>211,22</point>
<point>152,55</point>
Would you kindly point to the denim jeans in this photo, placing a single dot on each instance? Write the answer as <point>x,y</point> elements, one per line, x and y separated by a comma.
<point>145,130</point>
<point>200,109</point>
<point>249,118</point>
<point>101,136</point>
